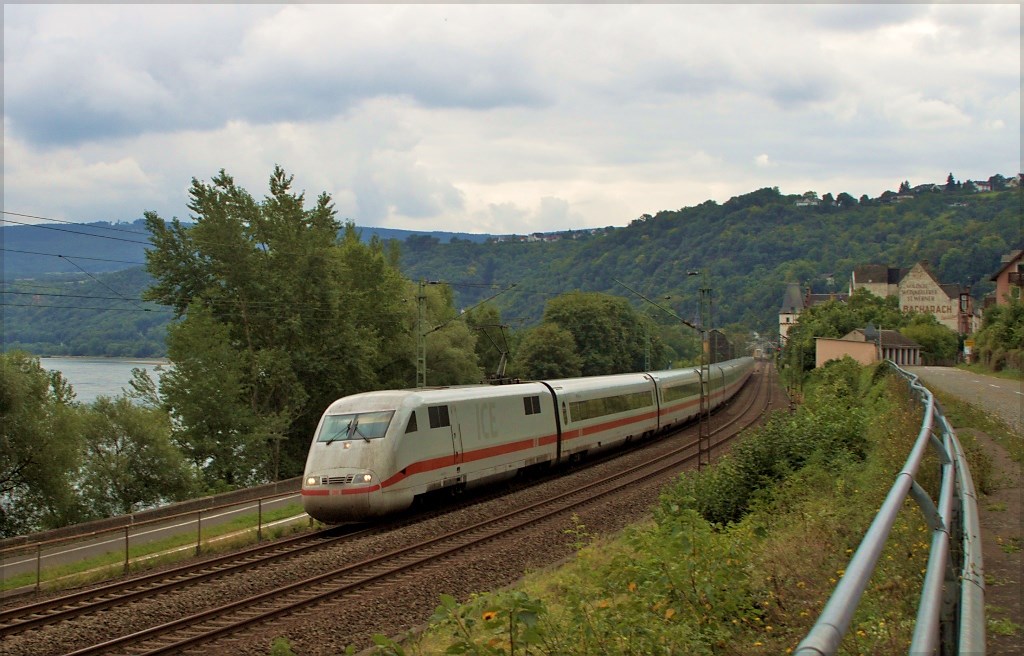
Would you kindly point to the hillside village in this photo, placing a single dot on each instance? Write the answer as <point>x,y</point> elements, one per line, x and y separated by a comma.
<point>905,192</point>
<point>918,290</point>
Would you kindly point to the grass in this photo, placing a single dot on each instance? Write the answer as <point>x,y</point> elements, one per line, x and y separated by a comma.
<point>1009,374</point>
<point>240,531</point>
<point>1010,545</point>
<point>964,415</point>
<point>678,583</point>
<point>996,625</point>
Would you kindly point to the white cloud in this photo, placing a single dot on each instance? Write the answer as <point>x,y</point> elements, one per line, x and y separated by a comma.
<point>915,112</point>
<point>502,118</point>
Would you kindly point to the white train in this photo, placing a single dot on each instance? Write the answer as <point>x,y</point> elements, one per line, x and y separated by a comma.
<point>374,453</point>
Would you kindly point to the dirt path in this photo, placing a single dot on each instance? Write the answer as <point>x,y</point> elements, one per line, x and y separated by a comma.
<point>1002,523</point>
<point>1001,535</point>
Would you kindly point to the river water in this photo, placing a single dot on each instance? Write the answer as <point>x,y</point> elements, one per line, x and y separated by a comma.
<point>93,377</point>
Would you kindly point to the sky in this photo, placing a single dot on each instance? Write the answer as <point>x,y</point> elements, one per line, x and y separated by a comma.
<point>500,119</point>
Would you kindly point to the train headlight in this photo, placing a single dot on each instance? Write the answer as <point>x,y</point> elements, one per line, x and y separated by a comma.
<point>367,478</point>
<point>312,480</point>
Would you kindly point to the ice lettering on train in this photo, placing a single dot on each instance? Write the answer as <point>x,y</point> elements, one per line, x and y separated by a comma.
<point>486,422</point>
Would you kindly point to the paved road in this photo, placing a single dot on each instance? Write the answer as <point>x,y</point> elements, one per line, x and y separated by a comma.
<point>113,541</point>
<point>999,507</point>
<point>1000,396</point>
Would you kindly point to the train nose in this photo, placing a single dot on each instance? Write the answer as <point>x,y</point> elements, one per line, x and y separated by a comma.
<point>360,477</point>
<point>340,495</point>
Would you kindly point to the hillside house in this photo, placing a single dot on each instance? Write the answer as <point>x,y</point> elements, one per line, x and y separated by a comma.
<point>1010,277</point>
<point>919,291</point>
<point>868,345</point>
<point>794,301</point>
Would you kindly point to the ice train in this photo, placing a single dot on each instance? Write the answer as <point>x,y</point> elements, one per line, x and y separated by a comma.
<point>373,453</point>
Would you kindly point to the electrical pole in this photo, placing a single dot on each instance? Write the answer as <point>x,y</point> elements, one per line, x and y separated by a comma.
<point>704,422</point>
<point>421,337</point>
<point>422,332</point>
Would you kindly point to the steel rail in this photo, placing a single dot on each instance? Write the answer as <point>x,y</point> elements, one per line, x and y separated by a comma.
<point>30,616</point>
<point>955,529</point>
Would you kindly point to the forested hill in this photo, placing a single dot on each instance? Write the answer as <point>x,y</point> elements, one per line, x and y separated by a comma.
<point>748,247</point>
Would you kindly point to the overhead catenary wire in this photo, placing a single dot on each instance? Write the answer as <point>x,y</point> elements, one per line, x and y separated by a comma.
<point>69,258</point>
<point>204,242</point>
<point>77,257</point>
<point>283,308</point>
<point>76,232</point>
<point>88,296</point>
<point>78,307</point>
<point>92,225</point>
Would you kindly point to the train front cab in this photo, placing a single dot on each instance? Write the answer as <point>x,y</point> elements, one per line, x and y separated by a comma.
<point>351,458</point>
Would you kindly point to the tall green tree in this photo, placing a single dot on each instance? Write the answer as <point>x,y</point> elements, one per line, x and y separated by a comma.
<point>491,336</point>
<point>39,447</point>
<point>1000,342</point>
<point>450,341</point>
<point>611,336</point>
<point>545,352</point>
<point>939,344</point>
<point>129,461</point>
<point>206,392</point>
<point>451,356</point>
<point>279,317</point>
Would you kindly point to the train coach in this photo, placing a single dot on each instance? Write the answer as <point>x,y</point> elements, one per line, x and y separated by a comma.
<point>374,453</point>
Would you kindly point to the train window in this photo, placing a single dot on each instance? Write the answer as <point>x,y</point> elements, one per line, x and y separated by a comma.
<point>438,415</point>
<point>682,391</point>
<point>411,427</point>
<point>610,405</point>
<point>363,425</point>
<point>531,404</point>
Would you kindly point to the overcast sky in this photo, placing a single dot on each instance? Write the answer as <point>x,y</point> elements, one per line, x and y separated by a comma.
<point>500,118</point>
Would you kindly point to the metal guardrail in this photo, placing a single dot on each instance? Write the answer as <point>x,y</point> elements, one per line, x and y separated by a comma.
<point>951,614</point>
<point>125,525</point>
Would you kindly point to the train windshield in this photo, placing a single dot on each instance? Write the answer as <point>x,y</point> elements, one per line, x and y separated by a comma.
<point>359,425</point>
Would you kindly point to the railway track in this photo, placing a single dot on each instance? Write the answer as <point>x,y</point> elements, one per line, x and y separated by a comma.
<point>65,607</point>
<point>339,584</point>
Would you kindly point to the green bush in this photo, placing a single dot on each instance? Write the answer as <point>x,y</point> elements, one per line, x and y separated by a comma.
<point>281,647</point>
<point>829,428</point>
